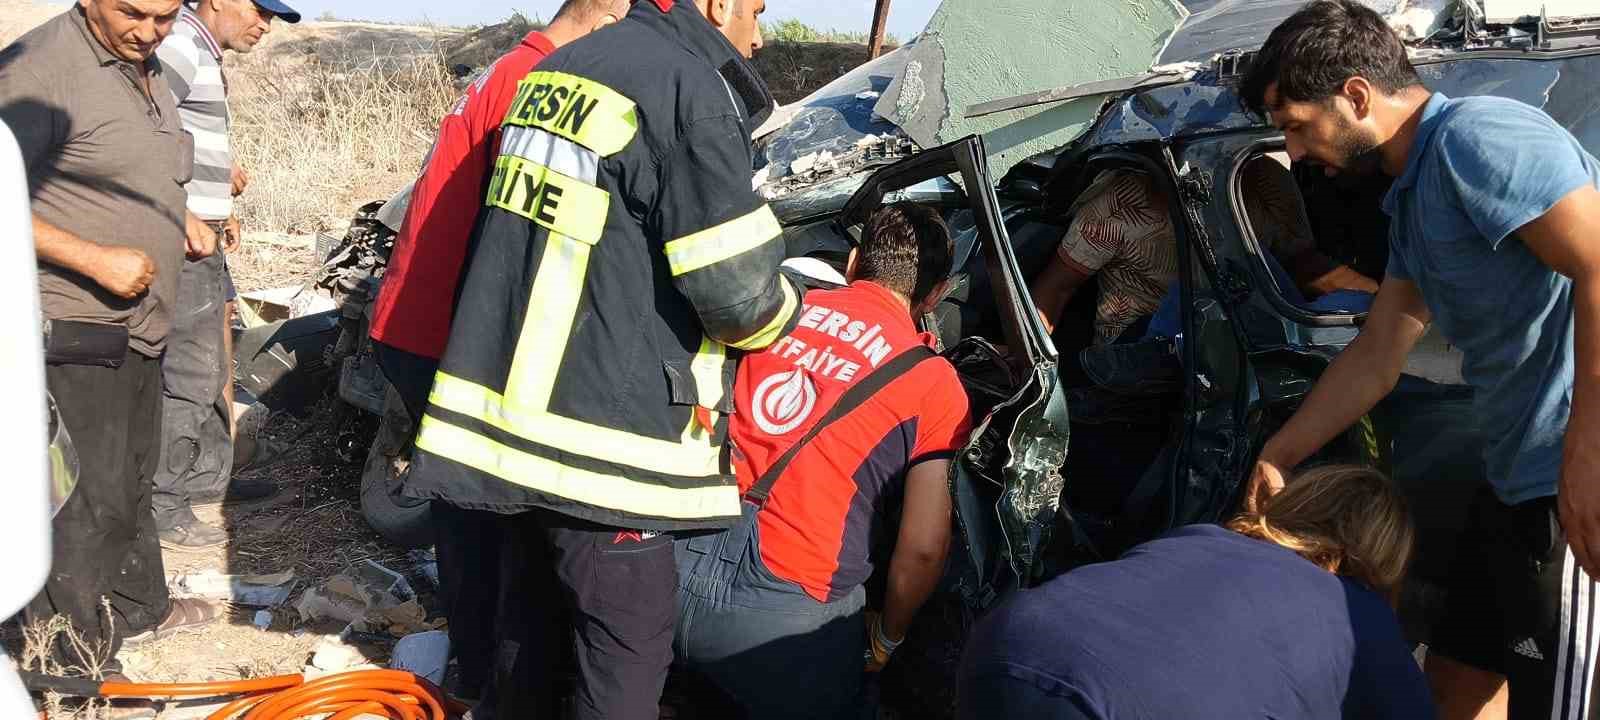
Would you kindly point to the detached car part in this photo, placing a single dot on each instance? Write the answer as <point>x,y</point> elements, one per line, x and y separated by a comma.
<point>353,275</point>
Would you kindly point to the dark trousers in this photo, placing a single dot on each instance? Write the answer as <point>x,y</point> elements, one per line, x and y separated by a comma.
<point>531,646</point>
<point>467,543</point>
<point>604,596</point>
<point>103,542</point>
<point>197,444</point>
<point>778,652</point>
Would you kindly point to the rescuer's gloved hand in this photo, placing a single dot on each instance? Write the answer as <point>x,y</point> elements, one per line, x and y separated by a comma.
<point>879,646</point>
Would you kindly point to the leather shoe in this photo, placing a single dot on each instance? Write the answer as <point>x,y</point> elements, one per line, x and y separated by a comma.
<point>193,535</point>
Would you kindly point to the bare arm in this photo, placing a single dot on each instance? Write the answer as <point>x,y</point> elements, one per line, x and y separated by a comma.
<point>1278,214</point>
<point>1053,289</point>
<point>122,271</point>
<point>923,544</point>
<point>1356,380</point>
<point>1318,275</point>
<point>239,180</point>
<point>1564,239</point>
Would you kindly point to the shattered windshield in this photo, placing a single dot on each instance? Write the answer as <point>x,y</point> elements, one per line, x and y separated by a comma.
<point>833,119</point>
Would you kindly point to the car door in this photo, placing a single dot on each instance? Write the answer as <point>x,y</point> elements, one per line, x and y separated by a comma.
<point>1213,457</point>
<point>1007,483</point>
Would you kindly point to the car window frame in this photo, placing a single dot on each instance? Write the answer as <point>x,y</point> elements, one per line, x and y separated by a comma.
<point>1007,540</point>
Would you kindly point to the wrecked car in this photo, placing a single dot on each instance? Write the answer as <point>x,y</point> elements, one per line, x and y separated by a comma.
<point>1082,450</point>
<point>1162,432</point>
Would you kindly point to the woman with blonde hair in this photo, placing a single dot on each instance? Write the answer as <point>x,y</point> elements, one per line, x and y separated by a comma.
<point>1285,612</point>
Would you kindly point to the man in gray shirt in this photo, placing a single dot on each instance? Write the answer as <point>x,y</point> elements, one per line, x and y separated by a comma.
<point>106,160</point>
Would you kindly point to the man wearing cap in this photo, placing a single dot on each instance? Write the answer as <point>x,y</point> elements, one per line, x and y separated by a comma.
<point>197,416</point>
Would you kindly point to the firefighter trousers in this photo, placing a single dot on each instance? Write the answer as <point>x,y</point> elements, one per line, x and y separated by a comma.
<point>606,597</point>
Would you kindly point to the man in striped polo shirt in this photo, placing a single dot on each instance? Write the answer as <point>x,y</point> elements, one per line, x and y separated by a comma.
<point>197,373</point>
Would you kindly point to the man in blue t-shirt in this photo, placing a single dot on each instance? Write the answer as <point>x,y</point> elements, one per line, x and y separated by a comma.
<point>1494,213</point>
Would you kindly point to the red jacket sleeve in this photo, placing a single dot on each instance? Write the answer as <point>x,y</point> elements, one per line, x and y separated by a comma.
<point>414,307</point>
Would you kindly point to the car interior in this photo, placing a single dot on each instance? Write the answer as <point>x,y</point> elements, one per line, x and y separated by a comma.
<point>1119,432</point>
<point>1302,224</point>
<point>1105,451</point>
<point>1343,216</point>
<point>1116,438</point>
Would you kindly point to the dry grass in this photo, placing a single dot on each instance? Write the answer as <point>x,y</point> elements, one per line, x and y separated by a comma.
<point>794,70</point>
<point>329,118</point>
<point>39,640</point>
<point>271,260</point>
<point>20,16</point>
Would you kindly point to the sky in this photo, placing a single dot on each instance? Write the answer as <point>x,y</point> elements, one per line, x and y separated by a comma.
<point>906,17</point>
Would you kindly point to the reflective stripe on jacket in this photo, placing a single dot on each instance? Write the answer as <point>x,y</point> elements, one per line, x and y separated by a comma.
<point>621,253</point>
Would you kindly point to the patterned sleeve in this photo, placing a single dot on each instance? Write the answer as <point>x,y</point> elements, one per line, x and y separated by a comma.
<point>1124,207</point>
<point>1272,200</point>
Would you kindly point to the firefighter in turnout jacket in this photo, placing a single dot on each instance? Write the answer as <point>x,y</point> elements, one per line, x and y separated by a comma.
<point>620,257</point>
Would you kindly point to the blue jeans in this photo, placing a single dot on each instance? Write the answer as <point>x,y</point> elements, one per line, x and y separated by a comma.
<point>778,652</point>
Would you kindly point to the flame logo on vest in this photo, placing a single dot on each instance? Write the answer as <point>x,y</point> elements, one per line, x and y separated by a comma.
<point>783,401</point>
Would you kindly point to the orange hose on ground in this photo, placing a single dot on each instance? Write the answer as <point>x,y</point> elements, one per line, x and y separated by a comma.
<point>403,687</point>
<point>392,694</point>
<point>239,706</point>
<point>355,711</point>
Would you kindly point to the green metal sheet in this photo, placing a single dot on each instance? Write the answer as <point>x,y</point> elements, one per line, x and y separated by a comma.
<point>974,51</point>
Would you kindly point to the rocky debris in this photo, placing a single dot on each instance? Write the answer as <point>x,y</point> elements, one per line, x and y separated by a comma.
<point>335,655</point>
<point>427,565</point>
<point>382,581</point>
<point>369,598</point>
<point>250,590</point>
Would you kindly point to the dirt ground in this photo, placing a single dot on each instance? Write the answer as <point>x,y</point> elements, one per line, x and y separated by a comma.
<point>313,526</point>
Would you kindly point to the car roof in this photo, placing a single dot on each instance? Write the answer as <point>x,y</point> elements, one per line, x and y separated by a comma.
<point>1560,85</point>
